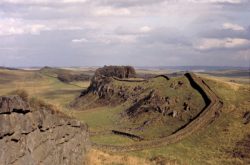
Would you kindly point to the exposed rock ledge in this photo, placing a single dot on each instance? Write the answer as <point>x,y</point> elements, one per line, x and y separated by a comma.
<point>102,77</point>
<point>39,136</point>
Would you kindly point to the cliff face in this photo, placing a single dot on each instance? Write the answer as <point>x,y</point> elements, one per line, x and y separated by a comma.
<point>100,82</point>
<point>116,71</point>
<point>39,136</point>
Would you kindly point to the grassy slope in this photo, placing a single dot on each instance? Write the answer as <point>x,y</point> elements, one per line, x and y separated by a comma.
<point>208,146</point>
<point>39,85</point>
<point>107,118</point>
<point>225,78</point>
<point>162,86</point>
<point>213,144</point>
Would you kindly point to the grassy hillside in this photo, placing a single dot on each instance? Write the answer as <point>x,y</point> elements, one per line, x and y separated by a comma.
<point>216,143</point>
<point>40,85</point>
<point>220,143</point>
<point>103,119</point>
<point>233,76</point>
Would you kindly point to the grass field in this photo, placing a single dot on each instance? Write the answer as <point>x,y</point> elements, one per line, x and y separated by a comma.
<point>107,118</point>
<point>41,86</point>
<point>212,145</point>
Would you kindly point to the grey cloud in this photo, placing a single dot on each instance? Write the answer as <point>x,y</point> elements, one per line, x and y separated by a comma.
<point>44,12</point>
<point>128,3</point>
<point>244,5</point>
<point>120,30</point>
<point>223,50</point>
<point>136,3</point>
<point>110,39</point>
<point>161,35</point>
<point>222,33</point>
<point>166,36</point>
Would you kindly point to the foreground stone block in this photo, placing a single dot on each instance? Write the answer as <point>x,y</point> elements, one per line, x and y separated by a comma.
<point>39,136</point>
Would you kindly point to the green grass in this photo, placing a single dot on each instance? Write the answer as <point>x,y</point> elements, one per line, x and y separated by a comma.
<point>162,86</point>
<point>106,118</point>
<point>207,146</point>
<point>100,118</point>
<point>39,85</point>
<point>111,139</point>
<point>166,125</point>
<point>211,145</point>
<point>235,79</point>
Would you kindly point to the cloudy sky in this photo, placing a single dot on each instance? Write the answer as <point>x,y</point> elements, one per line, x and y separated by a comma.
<point>133,32</point>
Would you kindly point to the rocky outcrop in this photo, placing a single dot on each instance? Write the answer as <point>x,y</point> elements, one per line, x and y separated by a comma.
<point>136,107</point>
<point>33,136</point>
<point>101,87</point>
<point>246,117</point>
<point>103,76</point>
<point>116,71</point>
<point>207,115</point>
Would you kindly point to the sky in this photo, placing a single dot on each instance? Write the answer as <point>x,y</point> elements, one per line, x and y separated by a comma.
<point>124,32</point>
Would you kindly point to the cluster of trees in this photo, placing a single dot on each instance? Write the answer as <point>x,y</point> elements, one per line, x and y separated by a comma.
<point>116,71</point>
<point>73,77</point>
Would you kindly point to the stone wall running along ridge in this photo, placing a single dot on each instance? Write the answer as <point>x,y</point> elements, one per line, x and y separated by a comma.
<point>203,119</point>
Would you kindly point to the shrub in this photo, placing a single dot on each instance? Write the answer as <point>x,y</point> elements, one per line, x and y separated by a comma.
<point>22,93</point>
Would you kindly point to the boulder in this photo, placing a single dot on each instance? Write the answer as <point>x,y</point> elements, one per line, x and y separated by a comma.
<point>12,104</point>
<point>246,117</point>
<point>39,136</point>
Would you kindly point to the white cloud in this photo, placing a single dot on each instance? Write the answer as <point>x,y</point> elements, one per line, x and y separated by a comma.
<point>115,39</point>
<point>36,28</point>
<point>109,11</point>
<point>217,1</point>
<point>13,26</point>
<point>107,39</point>
<point>214,43</point>
<point>79,40</point>
<point>42,2</point>
<point>145,29</point>
<point>136,30</point>
<point>74,1</point>
<point>231,26</point>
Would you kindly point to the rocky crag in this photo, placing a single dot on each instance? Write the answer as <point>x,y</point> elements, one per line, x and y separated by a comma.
<point>207,115</point>
<point>102,77</point>
<point>33,135</point>
<point>100,86</point>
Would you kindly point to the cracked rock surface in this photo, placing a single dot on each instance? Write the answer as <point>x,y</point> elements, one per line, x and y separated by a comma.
<point>39,136</point>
